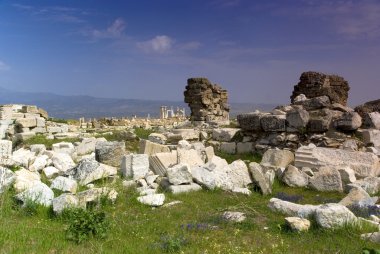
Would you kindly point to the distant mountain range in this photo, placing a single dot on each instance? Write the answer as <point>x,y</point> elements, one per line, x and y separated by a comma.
<point>74,107</point>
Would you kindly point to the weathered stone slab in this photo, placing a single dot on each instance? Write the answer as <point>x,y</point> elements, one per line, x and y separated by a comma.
<point>224,134</point>
<point>277,158</point>
<point>151,148</point>
<point>135,166</point>
<point>250,121</point>
<point>159,162</point>
<point>273,123</point>
<point>363,163</point>
<point>110,153</point>
<point>5,148</point>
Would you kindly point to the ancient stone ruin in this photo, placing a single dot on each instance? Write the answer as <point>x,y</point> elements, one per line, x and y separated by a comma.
<point>316,115</point>
<point>368,107</point>
<point>208,102</point>
<point>21,121</point>
<point>315,84</point>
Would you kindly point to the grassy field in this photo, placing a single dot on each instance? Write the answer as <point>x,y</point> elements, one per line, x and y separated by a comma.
<point>193,226</point>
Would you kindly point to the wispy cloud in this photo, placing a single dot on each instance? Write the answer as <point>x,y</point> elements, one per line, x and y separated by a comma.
<point>191,45</point>
<point>352,19</point>
<point>159,44</point>
<point>4,66</point>
<point>115,30</point>
<point>53,13</point>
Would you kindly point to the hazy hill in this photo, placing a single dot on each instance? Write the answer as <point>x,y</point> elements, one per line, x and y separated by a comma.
<point>62,106</point>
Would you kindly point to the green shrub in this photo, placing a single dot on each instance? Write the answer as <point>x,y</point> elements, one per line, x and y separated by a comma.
<point>84,224</point>
<point>371,251</point>
<point>172,243</point>
<point>143,133</point>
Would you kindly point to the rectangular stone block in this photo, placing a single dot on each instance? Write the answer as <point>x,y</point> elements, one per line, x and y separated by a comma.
<point>242,148</point>
<point>27,122</point>
<point>228,147</point>
<point>5,148</point>
<point>30,109</point>
<point>41,122</point>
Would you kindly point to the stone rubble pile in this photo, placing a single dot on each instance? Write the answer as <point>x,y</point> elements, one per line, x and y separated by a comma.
<point>318,114</point>
<point>315,84</point>
<point>59,167</point>
<point>21,121</point>
<point>208,102</point>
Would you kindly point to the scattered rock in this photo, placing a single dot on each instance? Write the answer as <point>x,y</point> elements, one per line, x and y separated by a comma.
<point>370,184</point>
<point>292,209</point>
<point>333,216</point>
<point>277,158</point>
<point>152,200</point>
<point>89,170</point>
<point>259,178</point>
<point>62,161</point>
<point>39,193</point>
<point>326,179</point>
<point>7,178</point>
<point>179,174</point>
<point>25,179</point>
<point>50,172</point>
<point>135,166</point>
<point>224,134</point>
<point>176,189</point>
<point>64,184</point>
<point>372,237</point>
<point>234,216</point>
<point>95,194</point>
<point>349,121</point>
<point>65,201</point>
<point>293,177</point>
<point>110,153</point>
<point>297,224</point>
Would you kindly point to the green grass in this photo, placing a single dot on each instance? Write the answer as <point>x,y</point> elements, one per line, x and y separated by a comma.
<point>41,139</point>
<point>65,121</point>
<point>191,227</point>
<point>143,133</point>
<point>131,145</point>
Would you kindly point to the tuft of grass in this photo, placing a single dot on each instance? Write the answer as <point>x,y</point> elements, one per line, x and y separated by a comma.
<point>41,139</point>
<point>84,224</point>
<point>143,133</point>
<point>170,243</point>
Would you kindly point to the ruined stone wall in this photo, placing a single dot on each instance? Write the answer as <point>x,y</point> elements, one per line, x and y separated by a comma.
<point>315,84</point>
<point>208,102</point>
<point>21,121</point>
<point>368,107</point>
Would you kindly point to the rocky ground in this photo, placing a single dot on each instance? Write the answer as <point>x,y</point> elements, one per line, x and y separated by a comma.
<point>176,191</point>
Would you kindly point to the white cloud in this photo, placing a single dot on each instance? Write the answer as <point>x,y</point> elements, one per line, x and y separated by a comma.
<point>159,44</point>
<point>4,66</point>
<point>54,13</point>
<point>115,30</point>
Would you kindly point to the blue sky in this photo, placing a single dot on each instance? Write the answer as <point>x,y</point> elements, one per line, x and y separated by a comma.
<point>144,49</point>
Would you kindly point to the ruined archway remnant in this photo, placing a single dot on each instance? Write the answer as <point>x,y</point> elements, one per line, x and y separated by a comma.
<point>315,84</point>
<point>208,102</point>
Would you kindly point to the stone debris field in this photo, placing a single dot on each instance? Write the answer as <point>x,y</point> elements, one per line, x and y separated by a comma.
<point>316,142</point>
